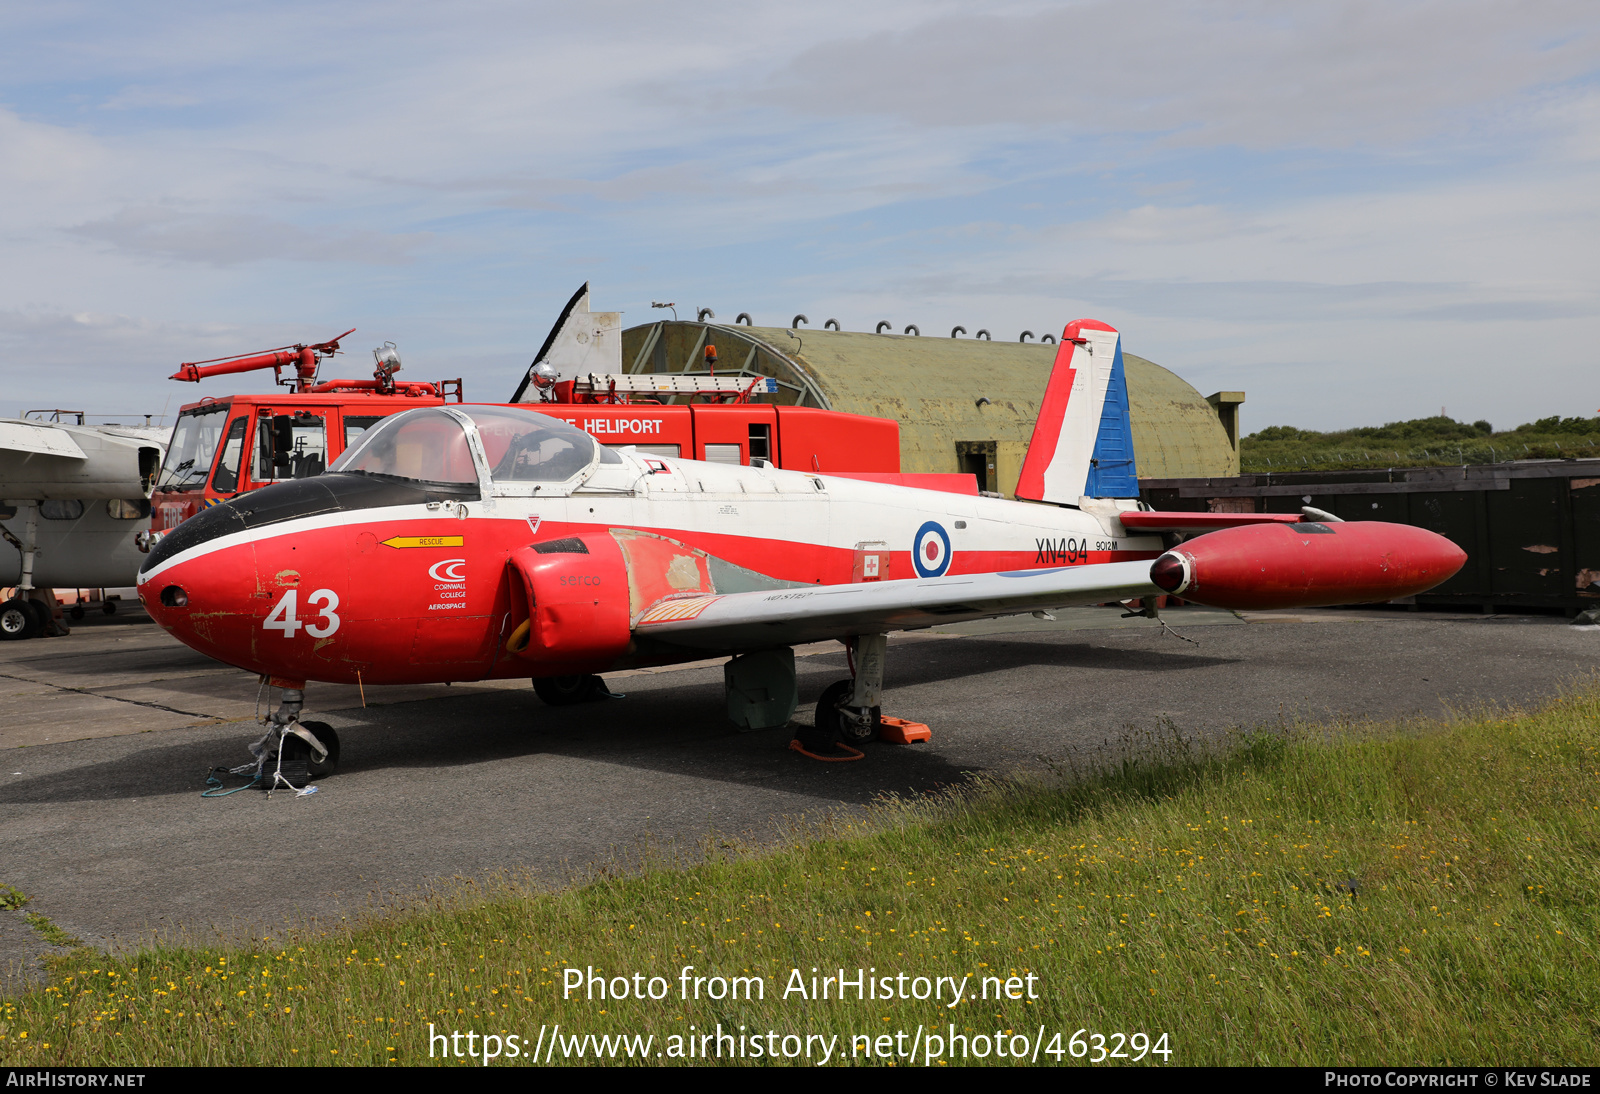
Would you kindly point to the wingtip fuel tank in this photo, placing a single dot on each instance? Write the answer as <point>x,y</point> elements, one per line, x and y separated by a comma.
<point>1307,565</point>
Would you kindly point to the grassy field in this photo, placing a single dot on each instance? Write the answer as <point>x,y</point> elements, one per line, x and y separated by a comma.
<point>1422,442</point>
<point>1411,894</point>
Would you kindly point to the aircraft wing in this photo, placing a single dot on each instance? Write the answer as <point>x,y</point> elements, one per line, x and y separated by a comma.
<point>42,440</point>
<point>759,620</point>
<point>40,460</point>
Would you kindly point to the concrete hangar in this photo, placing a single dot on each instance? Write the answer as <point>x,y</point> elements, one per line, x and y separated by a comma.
<point>963,404</point>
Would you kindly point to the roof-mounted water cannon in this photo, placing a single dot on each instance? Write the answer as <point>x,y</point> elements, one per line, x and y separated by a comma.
<point>386,362</point>
<point>304,358</point>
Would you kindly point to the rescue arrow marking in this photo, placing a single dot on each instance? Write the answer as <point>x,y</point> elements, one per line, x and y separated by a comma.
<point>402,542</point>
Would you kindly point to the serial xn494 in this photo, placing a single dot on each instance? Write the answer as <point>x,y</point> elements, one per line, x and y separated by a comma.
<point>469,542</point>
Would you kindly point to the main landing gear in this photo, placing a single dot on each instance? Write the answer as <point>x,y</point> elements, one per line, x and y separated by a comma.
<point>849,710</point>
<point>26,617</point>
<point>31,611</point>
<point>762,694</point>
<point>18,620</point>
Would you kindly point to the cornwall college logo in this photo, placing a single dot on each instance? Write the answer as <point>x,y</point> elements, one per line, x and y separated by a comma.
<point>448,570</point>
<point>930,551</point>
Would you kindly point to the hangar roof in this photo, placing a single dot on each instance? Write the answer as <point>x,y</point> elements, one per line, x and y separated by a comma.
<point>942,390</point>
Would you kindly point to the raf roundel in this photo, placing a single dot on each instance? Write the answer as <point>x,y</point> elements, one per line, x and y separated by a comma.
<point>930,551</point>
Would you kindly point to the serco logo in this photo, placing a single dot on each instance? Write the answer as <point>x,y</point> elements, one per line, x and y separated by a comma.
<point>930,550</point>
<point>448,570</point>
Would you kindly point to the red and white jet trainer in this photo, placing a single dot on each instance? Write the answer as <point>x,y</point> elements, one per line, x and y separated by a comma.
<point>475,542</point>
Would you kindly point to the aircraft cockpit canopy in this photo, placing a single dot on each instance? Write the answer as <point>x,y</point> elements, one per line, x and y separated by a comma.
<point>431,445</point>
<point>525,446</point>
<point>425,445</point>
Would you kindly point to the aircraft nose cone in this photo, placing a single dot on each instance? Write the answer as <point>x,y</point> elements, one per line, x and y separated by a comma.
<point>1450,557</point>
<point>166,596</point>
<point>205,602</point>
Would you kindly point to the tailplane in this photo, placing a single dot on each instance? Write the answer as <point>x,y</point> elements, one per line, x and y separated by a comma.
<point>1082,444</point>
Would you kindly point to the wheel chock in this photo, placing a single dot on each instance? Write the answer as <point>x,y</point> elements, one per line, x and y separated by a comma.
<point>898,731</point>
<point>852,753</point>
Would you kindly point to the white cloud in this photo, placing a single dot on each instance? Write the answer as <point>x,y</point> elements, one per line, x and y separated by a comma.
<point>138,97</point>
<point>230,239</point>
<point>1265,75</point>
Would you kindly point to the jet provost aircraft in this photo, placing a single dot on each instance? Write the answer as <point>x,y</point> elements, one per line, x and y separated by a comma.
<point>466,542</point>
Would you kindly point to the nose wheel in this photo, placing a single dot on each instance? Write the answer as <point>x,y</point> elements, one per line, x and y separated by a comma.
<point>293,752</point>
<point>561,691</point>
<point>296,750</point>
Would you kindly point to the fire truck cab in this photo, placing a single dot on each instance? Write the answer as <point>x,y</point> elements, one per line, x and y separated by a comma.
<point>224,447</point>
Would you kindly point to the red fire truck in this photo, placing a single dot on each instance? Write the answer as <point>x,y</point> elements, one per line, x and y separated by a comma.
<point>225,446</point>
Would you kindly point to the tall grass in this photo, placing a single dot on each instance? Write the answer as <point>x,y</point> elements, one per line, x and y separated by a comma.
<point>1406,894</point>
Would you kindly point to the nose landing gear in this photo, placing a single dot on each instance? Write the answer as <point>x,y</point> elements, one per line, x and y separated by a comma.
<point>561,691</point>
<point>291,753</point>
<point>291,748</point>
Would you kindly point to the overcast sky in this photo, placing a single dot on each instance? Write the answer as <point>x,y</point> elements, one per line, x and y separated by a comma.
<point>1355,212</point>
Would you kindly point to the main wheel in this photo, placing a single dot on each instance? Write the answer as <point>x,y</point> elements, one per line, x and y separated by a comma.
<point>561,691</point>
<point>831,721</point>
<point>76,612</point>
<point>330,741</point>
<point>109,607</point>
<point>17,620</point>
<point>41,614</point>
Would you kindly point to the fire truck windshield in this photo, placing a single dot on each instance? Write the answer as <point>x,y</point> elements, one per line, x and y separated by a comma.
<point>194,445</point>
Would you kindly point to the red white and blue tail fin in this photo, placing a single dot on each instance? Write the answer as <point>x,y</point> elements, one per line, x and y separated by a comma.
<point>1082,445</point>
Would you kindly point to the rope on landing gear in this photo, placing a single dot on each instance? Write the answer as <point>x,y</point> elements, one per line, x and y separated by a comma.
<point>796,746</point>
<point>257,771</point>
<point>278,777</point>
<point>214,784</point>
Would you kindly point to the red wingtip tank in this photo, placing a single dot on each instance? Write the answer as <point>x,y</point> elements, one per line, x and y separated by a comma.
<point>1307,565</point>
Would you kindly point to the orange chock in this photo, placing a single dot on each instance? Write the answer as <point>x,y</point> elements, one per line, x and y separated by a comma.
<point>898,731</point>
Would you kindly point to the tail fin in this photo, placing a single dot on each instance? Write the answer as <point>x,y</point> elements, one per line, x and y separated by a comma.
<point>582,341</point>
<point>1082,444</point>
